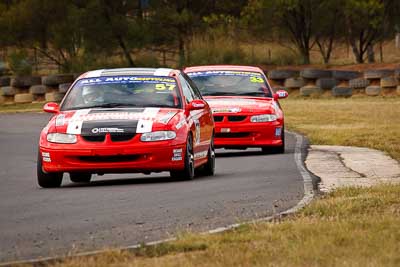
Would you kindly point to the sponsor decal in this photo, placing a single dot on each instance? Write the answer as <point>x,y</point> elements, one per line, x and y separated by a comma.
<point>107,130</point>
<point>254,75</point>
<point>197,134</point>
<point>226,110</point>
<point>200,155</point>
<point>232,102</point>
<point>144,125</point>
<point>106,121</point>
<point>75,123</point>
<point>167,117</point>
<point>225,130</point>
<point>278,131</point>
<point>282,94</point>
<point>276,107</point>
<point>46,157</point>
<point>60,120</point>
<point>196,105</point>
<point>180,124</point>
<point>177,154</point>
<point>126,79</point>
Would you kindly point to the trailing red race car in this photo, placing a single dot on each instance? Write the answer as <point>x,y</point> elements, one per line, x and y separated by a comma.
<point>127,120</point>
<point>246,111</point>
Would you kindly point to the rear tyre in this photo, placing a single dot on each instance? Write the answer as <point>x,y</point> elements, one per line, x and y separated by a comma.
<point>209,167</point>
<point>276,149</point>
<point>80,177</point>
<point>188,172</point>
<point>47,180</point>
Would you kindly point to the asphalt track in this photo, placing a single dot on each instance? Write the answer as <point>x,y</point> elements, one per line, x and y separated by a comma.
<point>123,210</point>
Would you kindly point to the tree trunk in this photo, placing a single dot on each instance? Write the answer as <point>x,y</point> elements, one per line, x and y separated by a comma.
<point>181,50</point>
<point>305,56</point>
<point>358,54</point>
<point>118,37</point>
<point>125,50</point>
<point>371,53</point>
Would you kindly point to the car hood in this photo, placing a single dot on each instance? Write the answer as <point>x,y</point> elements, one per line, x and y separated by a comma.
<point>118,121</point>
<point>243,105</point>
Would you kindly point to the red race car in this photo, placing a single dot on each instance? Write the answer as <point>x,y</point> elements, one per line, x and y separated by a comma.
<point>127,120</point>
<point>246,111</point>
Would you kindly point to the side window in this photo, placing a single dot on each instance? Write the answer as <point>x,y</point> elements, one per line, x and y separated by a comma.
<point>187,91</point>
<point>196,90</point>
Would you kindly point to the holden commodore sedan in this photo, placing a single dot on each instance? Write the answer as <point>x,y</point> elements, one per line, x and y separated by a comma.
<point>127,120</point>
<point>246,111</point>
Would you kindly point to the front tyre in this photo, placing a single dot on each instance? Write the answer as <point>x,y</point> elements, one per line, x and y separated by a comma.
<point>209,167</point>
<point>47,180</point>
<point>188,172</point>
<point>80,177</point>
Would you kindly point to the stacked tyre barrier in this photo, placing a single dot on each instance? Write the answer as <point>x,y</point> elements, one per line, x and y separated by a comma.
<point>308,82</point>
<point>338,83</point>
<point>31,89</point>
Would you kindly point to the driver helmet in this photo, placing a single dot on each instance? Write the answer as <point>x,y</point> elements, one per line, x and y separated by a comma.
<point>91,94</point>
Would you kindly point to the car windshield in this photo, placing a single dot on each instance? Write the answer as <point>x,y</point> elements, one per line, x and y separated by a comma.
<point>123,91</point>
<point>236,83</point>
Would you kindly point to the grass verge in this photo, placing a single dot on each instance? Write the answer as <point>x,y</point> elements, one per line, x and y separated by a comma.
<point>29,107</point>
<point>349,227</point>
<point>372,122</point>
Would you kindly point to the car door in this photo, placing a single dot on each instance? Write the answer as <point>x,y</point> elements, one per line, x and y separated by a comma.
<point>202,120</point>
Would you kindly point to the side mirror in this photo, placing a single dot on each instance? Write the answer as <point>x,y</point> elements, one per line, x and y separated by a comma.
<point>51,107</point>
<point>280,94</point>
<point>197,104</point>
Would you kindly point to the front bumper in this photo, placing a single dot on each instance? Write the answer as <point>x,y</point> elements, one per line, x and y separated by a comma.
<point>248,134</point>
<point>159,156</point>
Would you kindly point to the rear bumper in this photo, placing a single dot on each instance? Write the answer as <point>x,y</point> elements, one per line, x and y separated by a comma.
<point>248,134</point>
<point>113,160</point>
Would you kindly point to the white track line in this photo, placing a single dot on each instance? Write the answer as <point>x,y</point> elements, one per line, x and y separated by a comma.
<point>308,196</point>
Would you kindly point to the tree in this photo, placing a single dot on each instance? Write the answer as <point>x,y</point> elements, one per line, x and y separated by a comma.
<point>369,22</point>
<point>329,28</point>
<point>295,19</point>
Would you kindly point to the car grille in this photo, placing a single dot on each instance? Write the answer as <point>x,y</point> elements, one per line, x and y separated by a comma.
<point>122,137</point>
<point>114,137</point>
<point>232,135</point>
<point>233,118</point>
<point>236,118</point>
<point>109,159</point>
<point>218,118</point>
<point>94,138</point>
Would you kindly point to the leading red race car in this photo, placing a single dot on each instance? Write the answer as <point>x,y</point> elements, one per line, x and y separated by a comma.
<point>127,120</point>
<point>246,111</point>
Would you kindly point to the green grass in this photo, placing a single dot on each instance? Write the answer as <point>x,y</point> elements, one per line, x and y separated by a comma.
<point>29,107</point>
<point>372,122</point>
<point>348,227</point>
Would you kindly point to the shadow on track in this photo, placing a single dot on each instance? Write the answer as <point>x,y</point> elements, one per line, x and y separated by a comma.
<point>136,181</point>
<point>247,153</point>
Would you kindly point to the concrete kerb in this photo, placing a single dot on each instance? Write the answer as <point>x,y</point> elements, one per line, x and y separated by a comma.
<point>309,193</point>
<point>342,166</point>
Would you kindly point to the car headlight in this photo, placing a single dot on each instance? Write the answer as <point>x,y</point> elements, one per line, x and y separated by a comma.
<point>263,118</point>
<point>61,138</point>
<point>157,136</point>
